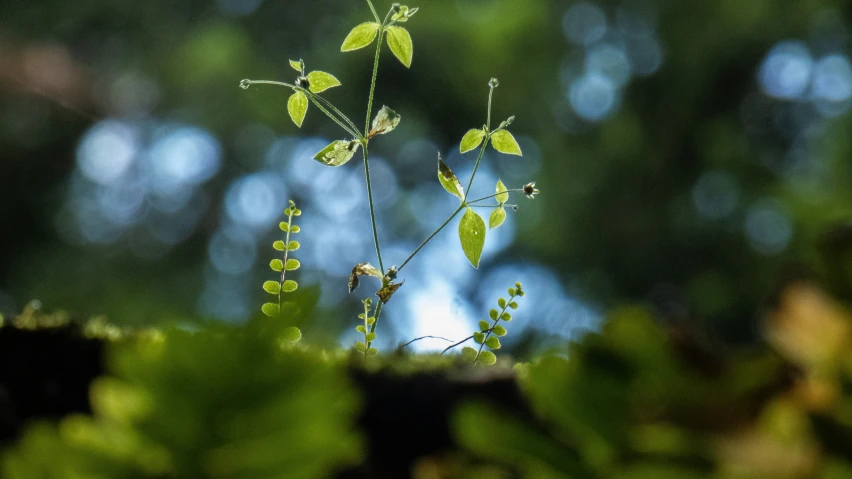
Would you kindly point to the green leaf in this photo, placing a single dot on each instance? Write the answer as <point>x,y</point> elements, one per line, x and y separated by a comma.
<point>493,342</point>
<point>361,329</point>
<point>295,229</point>
<point>270,309</point>
<point>493,314</point>
<point>506,317</point>
<point>370,337</point>
<point>513,305</point>
<point>449,180</point>
<point>499,331</point>
<point>399,41</point>
<point>321,81</point>
<point>338,153</point>
<point>502,192</point>
<point>276,265</point>
<point>471,140</point>
<point>484,325</point>
<point>284,226</point>
<point>501,302</point>
<point>289,286</point>
<point>291,335</point>
<point>478,337</point>
<point>293,264</point>
<point>487,358</point>
<point>297,65</point>
<point>386,121</point>
<point>361,347</point>
<point>372,352</point>
<point>511,291</point>
<point>504,142</point>
<point>297,106</point>
<point>472,236</point>
<point>279,245</point>
<point>371,320</point>
<point>498,216</point>
<point>293,246</point>
<point>468,353</point>
<point>271,287</point>
<point>360,36</point>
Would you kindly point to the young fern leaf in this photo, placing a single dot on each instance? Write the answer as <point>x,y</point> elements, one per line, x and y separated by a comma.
<point>282,266</point>
<point>489,334</point>
<point>369,337</point>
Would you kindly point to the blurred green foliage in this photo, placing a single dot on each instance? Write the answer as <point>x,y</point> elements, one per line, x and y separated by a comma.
<point>224,403</point>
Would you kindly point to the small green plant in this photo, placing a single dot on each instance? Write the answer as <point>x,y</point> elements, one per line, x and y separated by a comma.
<point>472,229</point>
<point>364,347</point>
<point>282,266</point>
<point>489,334</point>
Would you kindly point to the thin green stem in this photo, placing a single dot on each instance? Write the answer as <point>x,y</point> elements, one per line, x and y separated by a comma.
<point>339,113</point>
<point>373,9</point>
<point>373,82</point>
<point>316,100</point>
<point>492,206</point>
<point>491,330</point>
<point>476,166</point>
<point>427,240</point>
<point>372,208</point>
<point>471,202</point>
<point>490,96</point>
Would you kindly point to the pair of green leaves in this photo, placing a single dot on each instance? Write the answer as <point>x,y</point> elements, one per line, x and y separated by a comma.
<point>315,82</point>
<point>498,214</point>
<point>502,141</point>
<point>339,152</point>
<point>398,38</point>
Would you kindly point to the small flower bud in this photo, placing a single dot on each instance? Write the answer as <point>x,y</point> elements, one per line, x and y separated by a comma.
<point>303,82</point>
<point>493,83</point>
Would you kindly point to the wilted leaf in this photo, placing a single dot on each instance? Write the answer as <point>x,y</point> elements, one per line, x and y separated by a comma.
<point>337,153</point>
<point>384,122</point>
<point>399,41</point>
<point>297,106</point>
<point>449,180</point>
<point>362,269</point>
<point>487,358</point>
<point>498,216</point>
<point>504,142</point>
<point>387,292</point>
<point>472,236</point>
<point>360,36</point>
<point>471,140</point>
<point>321,81</point>
<point>271,287</point>
<point>502,192</point>
<point>291,335</point>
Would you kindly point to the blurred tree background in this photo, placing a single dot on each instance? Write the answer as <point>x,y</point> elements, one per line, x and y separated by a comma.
<point>690,155</point>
